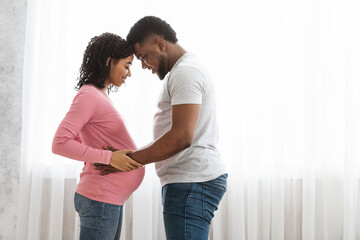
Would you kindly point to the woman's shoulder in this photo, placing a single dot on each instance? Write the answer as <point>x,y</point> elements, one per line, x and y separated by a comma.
<point>89,89</point>
<point>88,93</point>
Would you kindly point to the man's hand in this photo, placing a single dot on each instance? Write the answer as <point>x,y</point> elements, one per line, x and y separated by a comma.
<point>119,162</point>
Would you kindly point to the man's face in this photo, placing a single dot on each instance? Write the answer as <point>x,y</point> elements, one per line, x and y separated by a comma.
<point>152,56</point>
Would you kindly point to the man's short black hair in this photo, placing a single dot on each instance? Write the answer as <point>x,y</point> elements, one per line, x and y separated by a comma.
<point>151,25</point>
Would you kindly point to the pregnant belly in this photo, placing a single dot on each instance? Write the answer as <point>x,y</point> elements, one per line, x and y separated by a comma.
<point>123,182</point>
<point>114,188</point>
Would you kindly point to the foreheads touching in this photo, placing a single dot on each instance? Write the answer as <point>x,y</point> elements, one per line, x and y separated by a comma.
<point>150,37</point>
<point>148,26</point>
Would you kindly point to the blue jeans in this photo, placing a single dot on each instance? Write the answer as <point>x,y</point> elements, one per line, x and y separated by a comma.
<point>98,220</point>
<point>189,207</point>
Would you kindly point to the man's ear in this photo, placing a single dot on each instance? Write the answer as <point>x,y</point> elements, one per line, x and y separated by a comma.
<point>161,43</point>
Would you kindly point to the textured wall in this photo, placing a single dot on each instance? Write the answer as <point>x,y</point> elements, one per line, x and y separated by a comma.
<point>12,38</point>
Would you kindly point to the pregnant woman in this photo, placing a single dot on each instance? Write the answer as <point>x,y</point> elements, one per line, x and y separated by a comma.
<point>91,123</point>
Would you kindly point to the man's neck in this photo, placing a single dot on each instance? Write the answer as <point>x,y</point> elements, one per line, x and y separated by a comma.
<point>176,53</point>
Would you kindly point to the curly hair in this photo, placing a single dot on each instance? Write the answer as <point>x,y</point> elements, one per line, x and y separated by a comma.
<point>95,68</point>
<point>150,25</point>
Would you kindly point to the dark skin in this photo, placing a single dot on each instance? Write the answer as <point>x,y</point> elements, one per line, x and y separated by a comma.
<point>184,117</point>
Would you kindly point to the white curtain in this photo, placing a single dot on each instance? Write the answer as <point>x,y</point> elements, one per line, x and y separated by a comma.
<point>288,100</point>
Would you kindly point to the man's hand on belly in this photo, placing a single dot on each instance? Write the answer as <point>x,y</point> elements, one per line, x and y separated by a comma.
<point>119,162</point>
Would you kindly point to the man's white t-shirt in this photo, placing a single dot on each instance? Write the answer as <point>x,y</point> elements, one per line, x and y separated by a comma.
<point>189,83</point>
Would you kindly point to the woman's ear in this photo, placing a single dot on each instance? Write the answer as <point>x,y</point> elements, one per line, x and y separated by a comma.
<point>108,61</point>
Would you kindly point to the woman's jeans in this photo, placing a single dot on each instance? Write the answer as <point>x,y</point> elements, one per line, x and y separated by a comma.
<point>189,207</point>
<point>98,220</point>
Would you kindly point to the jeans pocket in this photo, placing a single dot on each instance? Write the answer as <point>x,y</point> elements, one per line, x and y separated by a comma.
<point>212,196</point>
<point>83,205</point>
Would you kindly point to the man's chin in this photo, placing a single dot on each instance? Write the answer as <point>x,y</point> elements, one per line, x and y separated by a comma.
<point>161,76</point>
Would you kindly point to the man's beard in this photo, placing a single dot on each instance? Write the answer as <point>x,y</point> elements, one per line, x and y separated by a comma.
<point>162,68</point>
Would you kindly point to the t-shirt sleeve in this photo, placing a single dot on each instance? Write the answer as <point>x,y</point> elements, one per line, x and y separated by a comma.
<point>186,86</point>
<point>67,141</point>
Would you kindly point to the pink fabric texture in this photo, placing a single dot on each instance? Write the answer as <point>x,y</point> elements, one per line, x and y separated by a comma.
<point>91,123</point>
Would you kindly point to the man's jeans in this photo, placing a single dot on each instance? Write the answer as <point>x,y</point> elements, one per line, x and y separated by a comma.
<point>189,208</point>
<point>98,220</point>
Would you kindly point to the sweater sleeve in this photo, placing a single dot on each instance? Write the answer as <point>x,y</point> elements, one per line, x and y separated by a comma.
<point>67,141</point>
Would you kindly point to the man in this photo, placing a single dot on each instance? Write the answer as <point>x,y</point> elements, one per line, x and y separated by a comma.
<point>189,166</point>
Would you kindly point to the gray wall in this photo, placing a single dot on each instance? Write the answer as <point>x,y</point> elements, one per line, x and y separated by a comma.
<point>12,39</point>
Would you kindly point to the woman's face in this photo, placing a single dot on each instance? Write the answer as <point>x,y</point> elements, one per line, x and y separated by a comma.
<point>119,71</point>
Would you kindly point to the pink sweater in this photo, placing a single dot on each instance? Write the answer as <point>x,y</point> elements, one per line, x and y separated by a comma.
<point>91,123</point>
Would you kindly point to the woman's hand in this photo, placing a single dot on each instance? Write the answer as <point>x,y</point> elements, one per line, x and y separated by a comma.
<point>105,169</point>
<point>119,162</point>
<point>122,162</point>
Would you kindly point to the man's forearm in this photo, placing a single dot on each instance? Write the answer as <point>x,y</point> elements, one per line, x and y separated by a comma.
<point>164,147</point>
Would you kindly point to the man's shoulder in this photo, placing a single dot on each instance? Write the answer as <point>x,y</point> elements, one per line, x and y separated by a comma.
<point>186,73</point>
<point>189,60</point>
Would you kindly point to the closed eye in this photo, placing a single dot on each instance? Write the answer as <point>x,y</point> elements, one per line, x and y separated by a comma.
<point>142,58</point>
